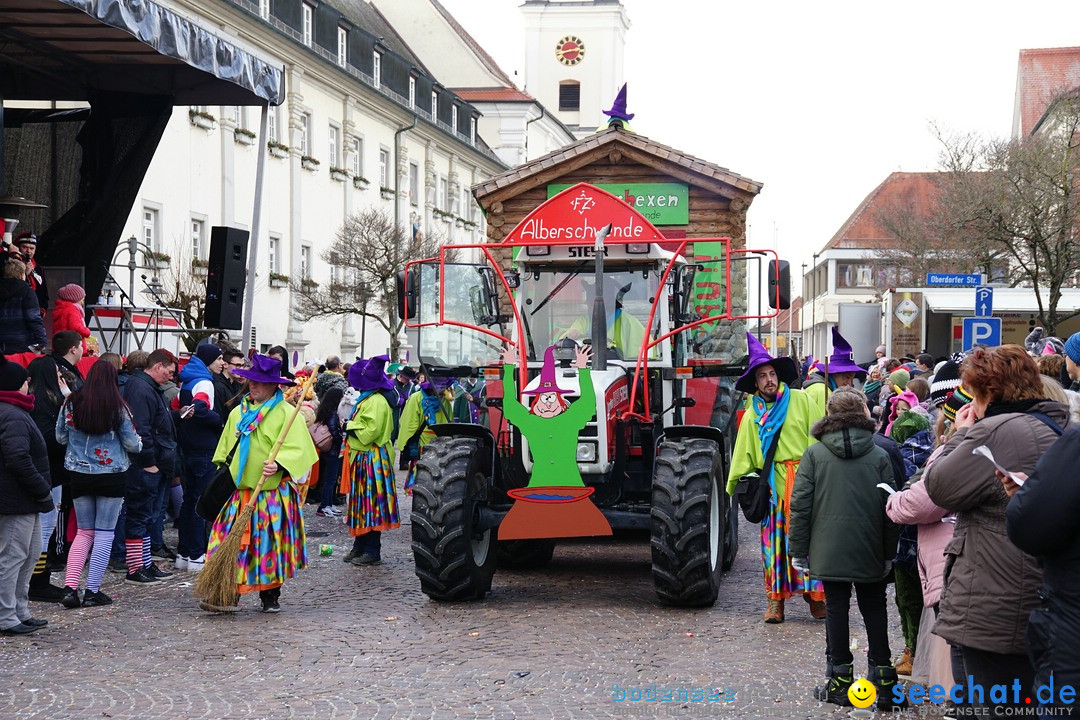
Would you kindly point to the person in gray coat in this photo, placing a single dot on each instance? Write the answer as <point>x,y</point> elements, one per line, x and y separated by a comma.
<point>990,585</point>
<point>25,493</point>
<point>839,533</point>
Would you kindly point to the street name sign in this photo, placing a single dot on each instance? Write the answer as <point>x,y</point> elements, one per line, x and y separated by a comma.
<point>981,331</point>
<point>952,280</point>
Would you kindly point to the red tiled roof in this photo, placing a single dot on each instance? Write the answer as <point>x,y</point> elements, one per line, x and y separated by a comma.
<point>492,94</point>
<point>1043,74</point>
<point>863,230</point>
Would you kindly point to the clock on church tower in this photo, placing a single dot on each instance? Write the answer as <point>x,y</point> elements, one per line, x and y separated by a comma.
<point>570,50</point>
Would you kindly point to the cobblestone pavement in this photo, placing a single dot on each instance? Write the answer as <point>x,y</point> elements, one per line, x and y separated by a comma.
<point>366,643</point>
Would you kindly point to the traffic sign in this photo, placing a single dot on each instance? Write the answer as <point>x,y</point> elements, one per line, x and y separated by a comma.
<point>952,279</point>
<point>984,301</point>
<point>981,331</point>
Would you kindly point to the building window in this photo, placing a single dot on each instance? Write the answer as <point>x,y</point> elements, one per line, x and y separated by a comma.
<point>342,46</point>
<point>854,276</point>
<point>434,106</point>
<point>472,130</point>
<point>414,183</point>
<point>272,124</point>
<point>570,95</point>
<point>151,236</point>
<point>384,167</point>
<point>412,92</point>
<point>264,9</point>
<point>197,238</point>
<point>376,69</point>
<point>237,114</point>
<point>307,19</point>
<point>273,246</point>
<point>305,123</point>
<point>333,143</point>
<point>444,194</point>
<point>305,262</point>
<point>357,159</point>
<point>453,118</point>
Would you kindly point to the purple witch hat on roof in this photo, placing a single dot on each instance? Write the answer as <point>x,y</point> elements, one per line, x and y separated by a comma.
<point>786,369</point>
<point>547,376</point>
<point>618,113</point>
<point>842,358</point>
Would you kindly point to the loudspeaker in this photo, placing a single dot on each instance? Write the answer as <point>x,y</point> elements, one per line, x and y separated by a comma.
<point>226,277</point>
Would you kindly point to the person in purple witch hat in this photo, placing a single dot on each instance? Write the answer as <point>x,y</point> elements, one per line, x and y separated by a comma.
<point>372,505</point>
<point>618,116</point>
<point>842,373</point>
<point>429,406</point>
<point>775,413</point>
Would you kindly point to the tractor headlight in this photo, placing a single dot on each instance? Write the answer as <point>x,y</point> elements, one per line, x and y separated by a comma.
<point>586,452</point>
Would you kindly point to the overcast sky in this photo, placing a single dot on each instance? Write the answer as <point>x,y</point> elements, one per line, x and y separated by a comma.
<point>819,101</point>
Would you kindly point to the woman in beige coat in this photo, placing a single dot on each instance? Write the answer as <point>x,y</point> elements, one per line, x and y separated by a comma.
<point>989,584</point>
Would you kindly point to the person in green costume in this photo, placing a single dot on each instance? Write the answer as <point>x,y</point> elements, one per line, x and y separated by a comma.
<point>551,425</point>
<point>842,373</point>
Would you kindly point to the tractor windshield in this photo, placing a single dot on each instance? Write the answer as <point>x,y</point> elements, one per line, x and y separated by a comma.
<point>465,292</point>
<point>557,303</point>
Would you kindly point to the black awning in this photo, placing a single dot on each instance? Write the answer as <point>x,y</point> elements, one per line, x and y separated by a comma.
<point>71,49</point>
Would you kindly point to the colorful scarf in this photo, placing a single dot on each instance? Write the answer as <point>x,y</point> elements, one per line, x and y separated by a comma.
<point>250,417</point>
<point>770,421</point>
<point>431,404</point>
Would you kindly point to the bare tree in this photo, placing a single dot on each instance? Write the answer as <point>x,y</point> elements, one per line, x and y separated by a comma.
<point>1010,208</point>
<point>184,290</point>
<point>366,255</point>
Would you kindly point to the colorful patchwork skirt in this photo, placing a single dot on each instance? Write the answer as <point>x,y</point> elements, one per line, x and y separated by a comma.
<point>274,548</point>
<point>372,503</point>
<point>782,581</point>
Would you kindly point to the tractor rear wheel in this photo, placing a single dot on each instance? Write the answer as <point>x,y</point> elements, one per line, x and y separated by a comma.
<point>454,560</point>
<point>525,554</point>
<point>688,522</point>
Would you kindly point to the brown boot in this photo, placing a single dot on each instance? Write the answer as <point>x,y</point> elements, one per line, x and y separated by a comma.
<point>817,607</point>
<point>774,614</point>
<point>903,665</point>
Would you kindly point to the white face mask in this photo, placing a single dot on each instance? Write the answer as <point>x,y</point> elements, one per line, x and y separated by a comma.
<point>65,390</point>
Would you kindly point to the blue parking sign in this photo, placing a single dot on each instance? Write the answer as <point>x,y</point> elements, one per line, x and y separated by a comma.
<point>981,331</point>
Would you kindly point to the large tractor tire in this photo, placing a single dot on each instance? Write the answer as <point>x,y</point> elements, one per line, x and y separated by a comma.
<point>525,554</point>
<point>453,561</point>
<point>688,523</point>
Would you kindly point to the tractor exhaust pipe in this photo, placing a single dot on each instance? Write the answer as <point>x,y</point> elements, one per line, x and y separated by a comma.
<point>599,310</point>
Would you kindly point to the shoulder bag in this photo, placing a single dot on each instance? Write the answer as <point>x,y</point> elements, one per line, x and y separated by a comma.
<point>321,436</point>
<point>753,491</point>
<point>218,492</point>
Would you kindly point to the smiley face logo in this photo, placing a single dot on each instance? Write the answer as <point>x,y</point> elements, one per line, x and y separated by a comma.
<point>862,693</point>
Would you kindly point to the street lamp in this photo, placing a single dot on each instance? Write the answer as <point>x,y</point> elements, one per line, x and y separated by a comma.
<point>813,308</point>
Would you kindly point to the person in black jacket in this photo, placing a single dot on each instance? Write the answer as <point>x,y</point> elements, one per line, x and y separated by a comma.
<point>24,494</point>
<point>27,244</point>
<point>1041,520</point>
<point>152,469</point>
<point>21,327</point>
<point>67,351</point>
<point>49,391</point>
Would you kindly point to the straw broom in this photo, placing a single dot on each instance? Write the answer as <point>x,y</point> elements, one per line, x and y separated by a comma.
<point>216,584</point>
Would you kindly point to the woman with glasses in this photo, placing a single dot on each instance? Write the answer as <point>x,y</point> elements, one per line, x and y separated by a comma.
<point>227,387</point>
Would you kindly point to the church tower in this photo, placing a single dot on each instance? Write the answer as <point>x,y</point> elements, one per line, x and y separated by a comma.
<point>574,58</point>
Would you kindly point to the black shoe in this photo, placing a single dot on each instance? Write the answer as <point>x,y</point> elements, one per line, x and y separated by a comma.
<point>155,572</point>
<point>836,690</point>
<point>270,600</point>
<point>366,559</point>
<point>71,598</point>
<point>41,590</point>
<point>95,599</point>
<point>20,629</point>
<point>885,679</point>
<point>163,553</point>
<point>349,556</point>
<point>140,577</point>
<point>35,622</point>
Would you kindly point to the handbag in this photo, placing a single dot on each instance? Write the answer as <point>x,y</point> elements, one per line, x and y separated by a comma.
<point>320,435</point>
<point>753,491</point>
<point>218,492</point>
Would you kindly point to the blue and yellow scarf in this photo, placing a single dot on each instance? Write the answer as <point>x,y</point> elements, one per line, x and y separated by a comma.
<point>770,421</point>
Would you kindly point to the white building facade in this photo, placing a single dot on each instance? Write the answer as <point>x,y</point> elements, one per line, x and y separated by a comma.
<point>364,125</point>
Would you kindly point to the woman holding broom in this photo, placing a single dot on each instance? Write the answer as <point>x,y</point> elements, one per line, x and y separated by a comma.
<point>272,547</point>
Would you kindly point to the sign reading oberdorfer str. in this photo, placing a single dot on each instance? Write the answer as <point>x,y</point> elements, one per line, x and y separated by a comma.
<point>660,203</point>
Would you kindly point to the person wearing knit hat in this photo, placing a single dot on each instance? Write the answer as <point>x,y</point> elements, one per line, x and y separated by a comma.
<point>957,399</point>
<point>198,428</point>
<point>27,492</point>
<point>69,313</point>
<point>774,413</point>
<point>946,379</point>
<point>1072,357</point>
